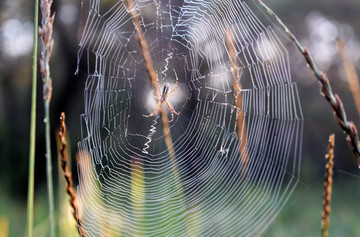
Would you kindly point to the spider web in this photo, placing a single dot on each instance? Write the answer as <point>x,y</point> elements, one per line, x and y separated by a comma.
<point>233,158</point>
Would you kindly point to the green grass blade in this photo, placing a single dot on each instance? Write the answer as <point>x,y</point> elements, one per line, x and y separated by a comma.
<point>30,201</point>
<point>49,171</point>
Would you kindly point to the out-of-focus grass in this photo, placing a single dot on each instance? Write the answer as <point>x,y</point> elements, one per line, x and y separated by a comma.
<point>302,215</point>
<point>4,226</point>
<point>15,211</point>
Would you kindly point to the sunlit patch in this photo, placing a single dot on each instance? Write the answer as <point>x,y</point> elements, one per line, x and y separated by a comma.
<point>266,49</point>
<point>323,34</point>
<point>200,33</point>
<point>204,38</point>
<point>213,51</point>
<point>68,14</point>
<point>221,79</point>
<point>17,37</point>
<point>151,102</point>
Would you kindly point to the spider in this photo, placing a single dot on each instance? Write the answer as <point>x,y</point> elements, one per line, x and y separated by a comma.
<point>163,99</point>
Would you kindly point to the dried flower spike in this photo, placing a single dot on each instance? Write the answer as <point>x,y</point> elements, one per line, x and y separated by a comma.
<point>325,88</point>
<point>67,174</point>
<point>325,222</point>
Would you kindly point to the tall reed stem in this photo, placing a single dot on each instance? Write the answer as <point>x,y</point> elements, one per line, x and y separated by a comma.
<point>30,199</point>
<point>45,32</point>
<point>49,172</point>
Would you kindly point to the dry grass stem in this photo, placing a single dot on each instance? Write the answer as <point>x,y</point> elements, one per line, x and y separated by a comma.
<point>350,72</point>
<point>67,174</point>
<point>238,98</point>
<point>154,81</point>
<point>325,222</point>
<point>45,32</point>
<point>325,87</point>
<point>140,34</point>
<point>152,73</point>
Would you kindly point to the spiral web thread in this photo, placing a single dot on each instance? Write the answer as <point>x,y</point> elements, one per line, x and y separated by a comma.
<point>223,177</point>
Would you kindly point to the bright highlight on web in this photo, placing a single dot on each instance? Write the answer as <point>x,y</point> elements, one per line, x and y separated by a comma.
<point>207,145</point>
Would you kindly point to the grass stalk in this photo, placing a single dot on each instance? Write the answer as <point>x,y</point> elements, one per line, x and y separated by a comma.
<point>350,72</point>
<point>241,120</point>
<point>45,32</point>
<point>152,74</point>
<point>49,172</point>
<point>68,176</point>
<point>154,81</point>
<point>30,198</point>
<point>325,222</point>
<point>334,100</point>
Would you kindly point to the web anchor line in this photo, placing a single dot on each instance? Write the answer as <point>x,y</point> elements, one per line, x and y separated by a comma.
<point>152,131</point>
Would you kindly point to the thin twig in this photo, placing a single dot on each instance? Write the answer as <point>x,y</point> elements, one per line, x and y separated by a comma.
<point>328,187</point>
<point>67,174</point>
<point>238,97</point>
<point>30,198</point>
<point>350,72</point>
<point>334,100</point>
<point>153,78</point>
<point>140,34</point>
<point>45,32</point>
<point>154,81</point>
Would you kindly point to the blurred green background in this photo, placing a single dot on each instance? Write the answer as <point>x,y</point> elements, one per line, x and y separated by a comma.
<point>316,24</point>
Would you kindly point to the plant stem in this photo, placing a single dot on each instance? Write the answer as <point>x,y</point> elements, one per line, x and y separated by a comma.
<point>352,136</point>
<point>67,175</point>
<point>49,170</point>
<point>325,221</point>
<point>30,199</point>
<point>350,73</point>
<point>45,32</point>
<point>241,120</point>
